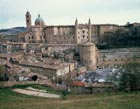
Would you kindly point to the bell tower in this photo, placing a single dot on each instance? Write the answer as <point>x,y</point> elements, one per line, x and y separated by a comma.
<point>28,20</point>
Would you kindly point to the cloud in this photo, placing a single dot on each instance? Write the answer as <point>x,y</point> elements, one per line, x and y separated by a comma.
<point>65,11</point>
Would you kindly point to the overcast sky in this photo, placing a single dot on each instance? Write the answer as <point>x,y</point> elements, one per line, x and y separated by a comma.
<point>64,12</point>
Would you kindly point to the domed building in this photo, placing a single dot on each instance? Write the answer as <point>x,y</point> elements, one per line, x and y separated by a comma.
<point>35,32</point>
<point>39,21</point>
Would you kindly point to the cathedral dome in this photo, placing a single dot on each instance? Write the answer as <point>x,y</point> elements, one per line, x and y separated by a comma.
<point>39,21</point>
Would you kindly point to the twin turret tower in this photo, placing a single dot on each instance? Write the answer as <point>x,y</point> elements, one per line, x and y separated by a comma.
<point>82,32</point>
<point>88,52</point>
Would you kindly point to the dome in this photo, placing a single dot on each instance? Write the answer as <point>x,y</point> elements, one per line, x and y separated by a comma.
<point>39,21</point>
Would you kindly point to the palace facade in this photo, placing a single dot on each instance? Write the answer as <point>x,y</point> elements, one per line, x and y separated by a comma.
<point>64,34</point>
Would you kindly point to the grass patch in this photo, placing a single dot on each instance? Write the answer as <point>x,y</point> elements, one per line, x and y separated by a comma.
<point>13,100</point>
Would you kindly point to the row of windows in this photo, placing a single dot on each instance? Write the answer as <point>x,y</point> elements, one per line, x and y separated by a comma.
<point>62,38</point>
<point>84,36</point>
<point>30,37</point>
<point>70,33</point>
<point>85,31</point>
<point>63,33</point>
<point>116,60</point>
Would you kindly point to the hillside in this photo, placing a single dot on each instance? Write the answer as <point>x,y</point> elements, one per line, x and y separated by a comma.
<point>122,38</point>
<point>120,100</point>
<point>14,30</point>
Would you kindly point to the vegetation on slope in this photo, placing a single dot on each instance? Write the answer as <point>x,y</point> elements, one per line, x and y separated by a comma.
<point>12,100</point>
<point>122,38</point>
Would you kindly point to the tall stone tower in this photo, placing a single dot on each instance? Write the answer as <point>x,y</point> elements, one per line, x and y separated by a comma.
<point>76,31</point>
<point>88,55</point>
<point>28,20</point>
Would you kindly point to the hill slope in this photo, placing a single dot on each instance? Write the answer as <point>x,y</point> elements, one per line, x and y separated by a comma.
<point>14,30</point>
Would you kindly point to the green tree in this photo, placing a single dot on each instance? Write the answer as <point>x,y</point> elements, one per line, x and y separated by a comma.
<point>130,76</point>
<point>64,94</point>
<point>2,72</point>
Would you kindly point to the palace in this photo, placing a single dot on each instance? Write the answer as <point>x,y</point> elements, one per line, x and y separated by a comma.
<point>78,35</point>
<point>64,34</point>
<point>70,43</point>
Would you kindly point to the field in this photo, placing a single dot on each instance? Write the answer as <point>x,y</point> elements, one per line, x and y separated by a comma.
<point>12,100</point>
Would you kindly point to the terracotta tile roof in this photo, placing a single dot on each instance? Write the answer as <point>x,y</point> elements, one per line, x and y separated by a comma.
<point>78,83</point>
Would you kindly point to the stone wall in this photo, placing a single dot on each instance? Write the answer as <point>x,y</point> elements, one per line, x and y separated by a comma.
<point>117,57</point>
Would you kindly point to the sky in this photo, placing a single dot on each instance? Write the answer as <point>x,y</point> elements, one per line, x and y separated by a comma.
<point>64,12</point>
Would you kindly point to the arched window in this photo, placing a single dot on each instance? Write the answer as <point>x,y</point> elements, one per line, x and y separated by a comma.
<point>83,31</point>
<point>27,20</point>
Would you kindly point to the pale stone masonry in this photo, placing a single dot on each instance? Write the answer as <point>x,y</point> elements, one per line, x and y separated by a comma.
<point>81,37</point>
<point>84,35</point>
<point>88,54</point>
<point>64,34</point>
